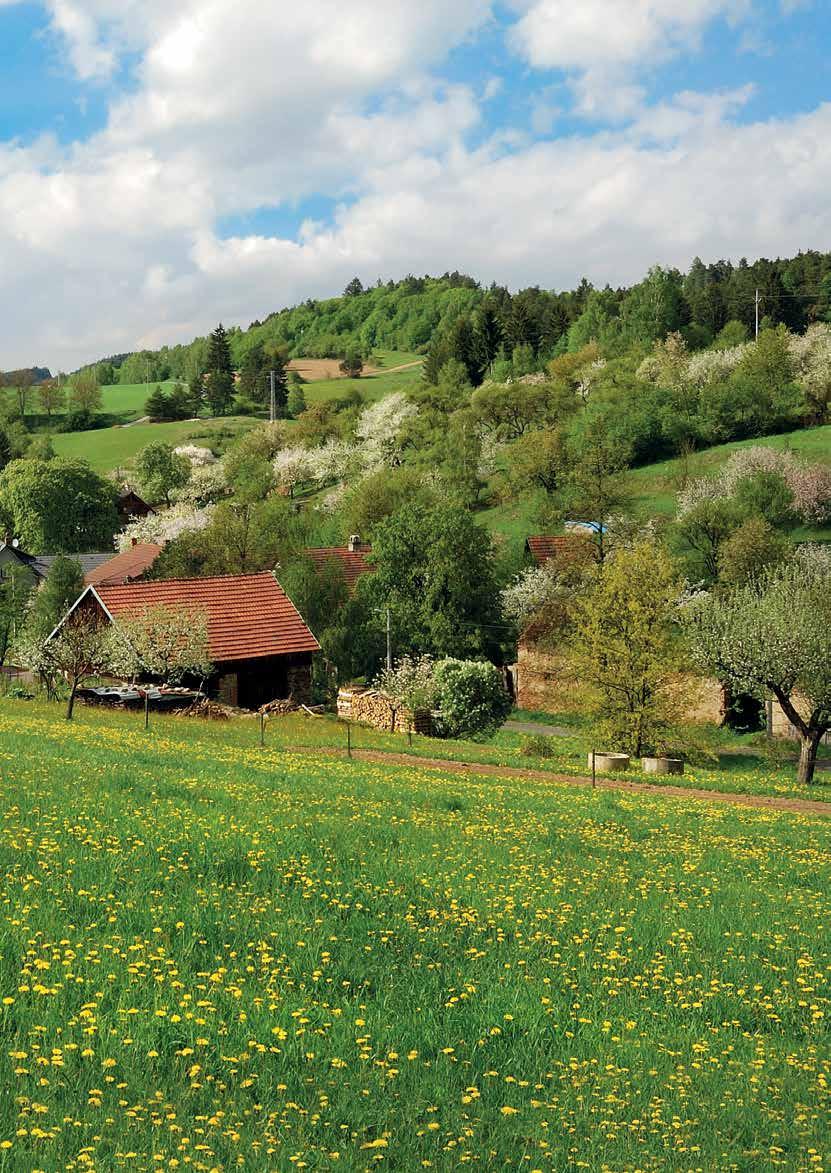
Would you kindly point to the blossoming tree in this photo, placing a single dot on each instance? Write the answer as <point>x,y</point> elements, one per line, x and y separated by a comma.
<point>773,635</point>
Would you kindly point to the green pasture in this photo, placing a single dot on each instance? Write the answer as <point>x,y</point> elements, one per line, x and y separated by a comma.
<point>221,956</point>
<point>111,448</point>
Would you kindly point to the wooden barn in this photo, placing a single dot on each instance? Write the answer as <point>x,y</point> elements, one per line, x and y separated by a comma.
<point>259,644</point>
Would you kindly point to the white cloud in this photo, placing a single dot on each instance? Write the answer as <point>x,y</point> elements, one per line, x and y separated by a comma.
<point>605,44</point>
<point>112,243</point>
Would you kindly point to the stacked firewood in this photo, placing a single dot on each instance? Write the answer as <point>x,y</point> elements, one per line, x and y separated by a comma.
<point>279,707</point>
<point>208,710</point>
<point>369,706</point>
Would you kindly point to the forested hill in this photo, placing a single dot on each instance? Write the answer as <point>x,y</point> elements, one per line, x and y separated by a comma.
<point>28,377</point>
<point>419,314</point>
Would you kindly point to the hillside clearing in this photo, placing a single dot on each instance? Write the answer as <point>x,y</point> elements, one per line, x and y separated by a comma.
<point>327,961</point>
<point>107,449</point>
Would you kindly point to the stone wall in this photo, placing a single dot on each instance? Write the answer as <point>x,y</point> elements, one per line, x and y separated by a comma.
<point>780,725</point>
<point>544,684</point>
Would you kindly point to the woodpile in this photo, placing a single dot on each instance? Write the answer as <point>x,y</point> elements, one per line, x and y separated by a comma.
<point>369,706</point>
<point>279,708</point>
<point>208,710</point>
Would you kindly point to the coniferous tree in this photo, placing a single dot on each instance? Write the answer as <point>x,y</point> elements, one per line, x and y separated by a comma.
<point>220,375</point>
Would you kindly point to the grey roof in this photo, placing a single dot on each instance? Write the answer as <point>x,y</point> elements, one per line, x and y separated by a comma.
<point>40,563</point>
<point>89,562</point>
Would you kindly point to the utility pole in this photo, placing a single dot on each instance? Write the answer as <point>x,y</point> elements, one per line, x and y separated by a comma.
<point>756,300</point>
<point>389,641</point>
<point>272,415</point>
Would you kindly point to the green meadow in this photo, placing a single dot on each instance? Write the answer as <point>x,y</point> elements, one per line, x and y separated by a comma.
<point>221,956</point>
<point>107,449</point>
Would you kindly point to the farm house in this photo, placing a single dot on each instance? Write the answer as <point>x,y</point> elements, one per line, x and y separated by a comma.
<point>352,558</point>
<point>259,645</point>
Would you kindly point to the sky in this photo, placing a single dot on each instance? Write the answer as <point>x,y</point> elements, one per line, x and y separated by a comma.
<point>167,165</point>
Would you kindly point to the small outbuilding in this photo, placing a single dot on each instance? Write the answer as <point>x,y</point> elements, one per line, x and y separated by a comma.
<point>259,644</point>
<point>130,506</point>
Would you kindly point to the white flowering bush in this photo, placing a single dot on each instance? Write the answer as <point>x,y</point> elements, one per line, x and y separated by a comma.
<point>198,456</point>
<point>529,594</point>
<point>293,467</point>
<point>207,485</point>
<point>164,526</point>
<point>471,698</point>
<point>332,461</point>
<point>714,366</point>
<point>410,682</point>
<point>378,430</point>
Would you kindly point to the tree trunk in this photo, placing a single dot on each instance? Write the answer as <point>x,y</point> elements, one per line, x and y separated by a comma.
<point>70,704</point>
<point>808,746</point>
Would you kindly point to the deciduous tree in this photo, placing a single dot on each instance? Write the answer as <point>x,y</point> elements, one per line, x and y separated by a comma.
<point>625,647</point>
<point>773,635</point>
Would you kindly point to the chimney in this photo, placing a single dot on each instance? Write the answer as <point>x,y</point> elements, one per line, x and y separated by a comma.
<point>354,543</point>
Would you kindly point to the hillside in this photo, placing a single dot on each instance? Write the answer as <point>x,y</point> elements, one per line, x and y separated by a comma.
<point>410,315</point>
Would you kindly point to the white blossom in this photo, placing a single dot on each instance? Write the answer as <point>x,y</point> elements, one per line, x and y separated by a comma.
<point>379,428</point>
<point>529,592</point>
<point>293,466</point>
<point>165,525</point>
<point>197,455</point>
<point>207,484</point>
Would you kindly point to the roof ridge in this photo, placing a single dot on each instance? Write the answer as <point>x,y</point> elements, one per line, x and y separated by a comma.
<point>205,578</point>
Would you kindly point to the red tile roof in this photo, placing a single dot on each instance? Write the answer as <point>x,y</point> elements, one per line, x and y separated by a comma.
<point>542,547</point>
<point>130,564</point>
<point>249,615</point>
<point>354,562</point>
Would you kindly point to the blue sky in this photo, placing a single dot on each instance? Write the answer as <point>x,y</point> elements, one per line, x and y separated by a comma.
<point>162,166</point>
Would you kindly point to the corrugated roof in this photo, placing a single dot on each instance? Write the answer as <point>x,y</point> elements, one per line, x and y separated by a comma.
<point>543,547</point>
<point>353,562</point>
<point>249,615</point>
<point>127,566</point>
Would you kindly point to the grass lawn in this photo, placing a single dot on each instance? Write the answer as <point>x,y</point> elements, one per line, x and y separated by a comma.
<point>656,486</point>
<point>110,448</point>
<point>114,446</point>
<point>226,957</point>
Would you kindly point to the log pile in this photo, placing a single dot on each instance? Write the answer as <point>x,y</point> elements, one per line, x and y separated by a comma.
<point>279,708</point>
<point>208,710</point>
<point>369,706</point>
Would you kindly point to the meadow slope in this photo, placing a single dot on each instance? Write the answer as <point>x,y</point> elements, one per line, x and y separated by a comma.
<point>220,956</point>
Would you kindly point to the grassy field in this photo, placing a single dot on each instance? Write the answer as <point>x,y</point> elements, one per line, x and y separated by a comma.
<point>115,446</point>
<point>226,957</point>
<point>110,448</point>
<point>371,387</point>
<point>656,485</point>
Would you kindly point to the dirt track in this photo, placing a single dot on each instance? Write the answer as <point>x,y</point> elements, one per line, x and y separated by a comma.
<point>801,806</point>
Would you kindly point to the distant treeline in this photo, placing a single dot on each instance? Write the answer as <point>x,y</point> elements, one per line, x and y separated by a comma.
<point>28,376</point>
<point>418,313</point>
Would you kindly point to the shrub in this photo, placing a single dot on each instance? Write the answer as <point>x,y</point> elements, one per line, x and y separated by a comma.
<point>538,746</point>
<point>81,420</point>
<point>472,699</point>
